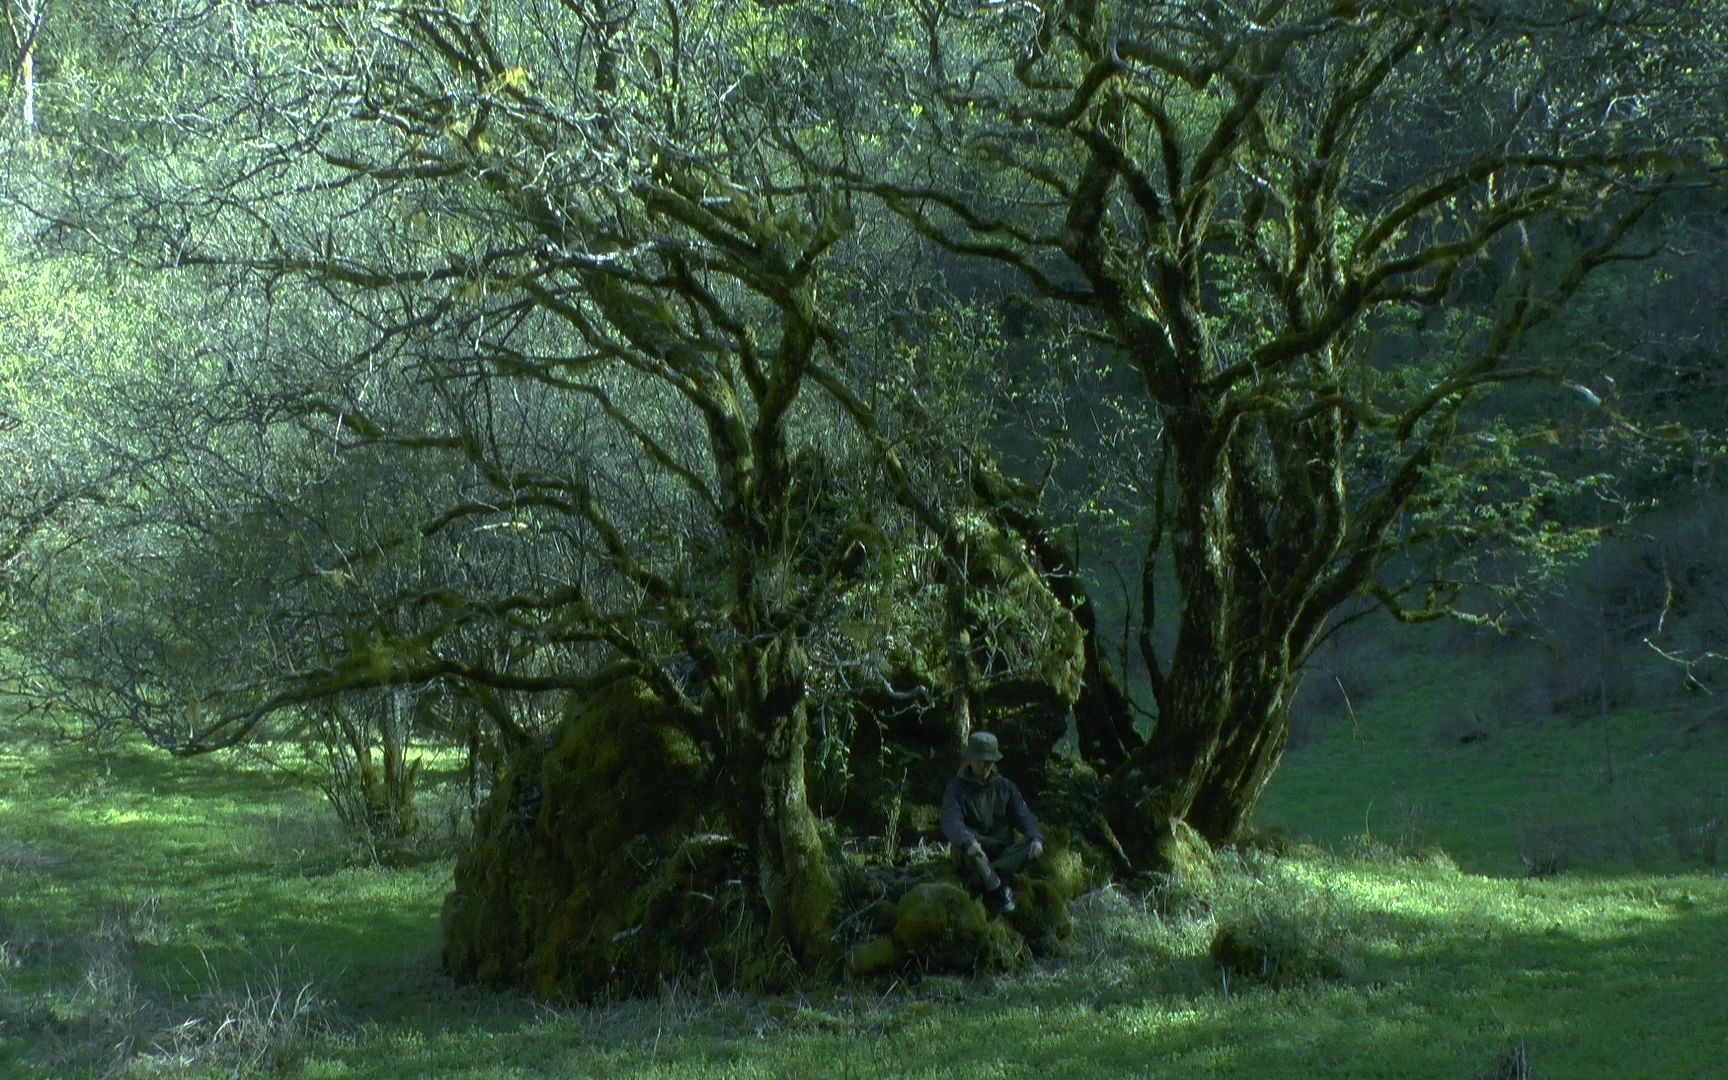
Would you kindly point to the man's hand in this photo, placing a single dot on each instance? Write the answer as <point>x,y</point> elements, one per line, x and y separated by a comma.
<point>975,849</point>
<point>1035,850</point>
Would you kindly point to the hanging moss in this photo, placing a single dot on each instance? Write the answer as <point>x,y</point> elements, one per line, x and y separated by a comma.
<point>595,868</point>
<point>867,777</point>
<point>897,743</point>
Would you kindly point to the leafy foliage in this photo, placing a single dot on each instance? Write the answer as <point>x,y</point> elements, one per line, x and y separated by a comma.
<point>787,360</point>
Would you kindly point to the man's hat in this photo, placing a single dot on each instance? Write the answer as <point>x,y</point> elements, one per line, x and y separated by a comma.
<point>982,747</point>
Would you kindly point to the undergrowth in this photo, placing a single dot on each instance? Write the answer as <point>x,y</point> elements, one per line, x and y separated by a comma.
<point>168,919</point>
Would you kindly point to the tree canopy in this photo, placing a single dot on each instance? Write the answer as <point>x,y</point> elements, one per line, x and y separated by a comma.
<point>807,368</point>
<point>1319,237</point>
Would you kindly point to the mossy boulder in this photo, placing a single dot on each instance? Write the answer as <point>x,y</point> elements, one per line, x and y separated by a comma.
<point>596,866</point>
<point>877,957</point>
<point>1040,915</point>
<point>1042,893</point>
<point>1185,856</point>
<point>944,929</point>
<point>1276,956</point>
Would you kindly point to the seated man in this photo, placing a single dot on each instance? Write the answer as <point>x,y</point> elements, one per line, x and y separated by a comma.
<point>980,811</point>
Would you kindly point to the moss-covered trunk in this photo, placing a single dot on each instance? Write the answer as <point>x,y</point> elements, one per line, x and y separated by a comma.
<point>1218,741</point>
<point>1248,754</point>
<point>771,805</point>
<point>1159,783</point>
<point>1223,717</point>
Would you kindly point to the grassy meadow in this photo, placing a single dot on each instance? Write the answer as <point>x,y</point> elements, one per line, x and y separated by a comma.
<point>200,918</point>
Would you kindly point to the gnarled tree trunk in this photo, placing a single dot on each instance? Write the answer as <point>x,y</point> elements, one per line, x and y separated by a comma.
<point>770,804</point>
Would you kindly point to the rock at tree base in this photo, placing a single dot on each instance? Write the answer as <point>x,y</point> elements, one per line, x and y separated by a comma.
<point>926,921</point>
<point>1041,914</point>
<point>879,956</point>
<point>938,923</point>
<point>595,868</point>
<point>943,928</point>
<point>1186,856</point>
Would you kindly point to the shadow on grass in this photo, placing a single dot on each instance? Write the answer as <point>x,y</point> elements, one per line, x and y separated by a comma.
<point>1640,991</point>
<point>1649,1001</point>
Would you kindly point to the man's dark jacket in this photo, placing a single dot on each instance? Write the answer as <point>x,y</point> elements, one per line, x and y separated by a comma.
<point>989,809</point>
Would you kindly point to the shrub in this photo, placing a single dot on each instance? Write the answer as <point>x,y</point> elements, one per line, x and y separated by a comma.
<point>1696,829</point>
<point>1272,928</point>
<point>1510,1065</point>
<point>366,774</point>
<point>261,1026</point>
<point>1547,849</point>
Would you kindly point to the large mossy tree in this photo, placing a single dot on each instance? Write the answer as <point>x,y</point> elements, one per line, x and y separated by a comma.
<point>536,254</point>
<point>578,352</point>
<point>517,364</point>
<point>1332,244</point>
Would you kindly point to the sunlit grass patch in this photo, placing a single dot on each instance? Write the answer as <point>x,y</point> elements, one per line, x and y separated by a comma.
<point>1437,760</point>
<point>143,942</point>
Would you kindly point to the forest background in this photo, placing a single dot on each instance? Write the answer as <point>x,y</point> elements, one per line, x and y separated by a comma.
<point>716,411</point>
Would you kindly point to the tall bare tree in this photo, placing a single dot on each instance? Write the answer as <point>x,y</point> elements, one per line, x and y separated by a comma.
<point>24,21</point>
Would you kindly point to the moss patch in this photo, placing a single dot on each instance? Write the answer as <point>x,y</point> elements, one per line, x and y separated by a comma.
<point>1042,893</point>
<point>1186,856</point>
<point>879,956</point>
<point>594,869</point>
<point>945,929</point>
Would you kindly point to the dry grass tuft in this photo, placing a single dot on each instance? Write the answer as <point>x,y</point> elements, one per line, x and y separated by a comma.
<point>107,1024</point>
<point>262,1026</point>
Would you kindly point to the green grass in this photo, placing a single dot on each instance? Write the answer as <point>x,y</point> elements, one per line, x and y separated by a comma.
<point>164,918</point>
<point>1524,792</point>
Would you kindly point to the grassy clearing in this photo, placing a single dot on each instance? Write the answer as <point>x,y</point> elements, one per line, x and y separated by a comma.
<point>1442,756</point>
<point>197,919</point>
